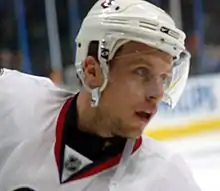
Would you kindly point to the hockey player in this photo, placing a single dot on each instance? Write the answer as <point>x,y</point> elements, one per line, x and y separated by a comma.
<point>130,57</point>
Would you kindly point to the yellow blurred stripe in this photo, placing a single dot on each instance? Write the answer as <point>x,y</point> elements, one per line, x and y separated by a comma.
<point>163,132</point>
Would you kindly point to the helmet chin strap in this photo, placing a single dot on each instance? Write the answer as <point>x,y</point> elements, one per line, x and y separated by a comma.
<point>96,92</point>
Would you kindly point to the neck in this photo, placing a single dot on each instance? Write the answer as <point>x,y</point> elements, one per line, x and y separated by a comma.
<point>90,118</point>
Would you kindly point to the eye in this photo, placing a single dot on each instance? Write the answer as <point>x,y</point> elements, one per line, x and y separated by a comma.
<point>166,79</point>
<point>144,72</point>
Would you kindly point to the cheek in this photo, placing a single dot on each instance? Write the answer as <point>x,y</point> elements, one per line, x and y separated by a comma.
<point>126,91</point>
<point>132,89</point>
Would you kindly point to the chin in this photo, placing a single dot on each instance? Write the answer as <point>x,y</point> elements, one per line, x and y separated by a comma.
<point>134,134</point>
<point>134,137</point>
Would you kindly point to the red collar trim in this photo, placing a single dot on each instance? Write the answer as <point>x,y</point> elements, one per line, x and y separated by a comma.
<point>59,130</point>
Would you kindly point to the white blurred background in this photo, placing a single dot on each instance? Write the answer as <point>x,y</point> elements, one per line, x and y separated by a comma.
<point>37,37</point>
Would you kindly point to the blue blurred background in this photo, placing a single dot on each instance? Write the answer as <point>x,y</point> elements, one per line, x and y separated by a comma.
<point>37,36</point>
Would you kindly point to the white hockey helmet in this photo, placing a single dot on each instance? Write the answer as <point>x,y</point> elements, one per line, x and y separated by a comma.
<point>114,22</point>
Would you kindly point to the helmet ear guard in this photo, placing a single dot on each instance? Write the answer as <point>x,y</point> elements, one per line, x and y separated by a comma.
<point>103,56</point>
<point>95,92</point>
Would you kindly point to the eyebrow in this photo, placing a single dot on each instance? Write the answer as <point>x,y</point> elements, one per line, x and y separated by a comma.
<point>151,64</point>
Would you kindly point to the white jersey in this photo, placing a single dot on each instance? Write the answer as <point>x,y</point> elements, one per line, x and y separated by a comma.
<point>31,118</point>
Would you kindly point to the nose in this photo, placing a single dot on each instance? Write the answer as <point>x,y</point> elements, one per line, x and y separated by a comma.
<point>155,91</point>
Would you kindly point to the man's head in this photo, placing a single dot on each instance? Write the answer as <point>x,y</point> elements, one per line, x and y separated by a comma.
<point>127,63</point>
<point>136,79</point>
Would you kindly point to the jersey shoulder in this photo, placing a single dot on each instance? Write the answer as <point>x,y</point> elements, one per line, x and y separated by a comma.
<point>28,103</point>
<point>173,171</point>
<point>15,80</point>
<point>17,86</point>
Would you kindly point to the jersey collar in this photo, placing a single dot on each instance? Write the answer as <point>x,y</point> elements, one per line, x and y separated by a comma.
<point>63,154</point>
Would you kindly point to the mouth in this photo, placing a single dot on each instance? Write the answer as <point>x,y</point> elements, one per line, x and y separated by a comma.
<point>144,116</point>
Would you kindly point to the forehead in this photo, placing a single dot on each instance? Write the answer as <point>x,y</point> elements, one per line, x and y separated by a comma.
<point>135,53</point>
<point>133,47</point>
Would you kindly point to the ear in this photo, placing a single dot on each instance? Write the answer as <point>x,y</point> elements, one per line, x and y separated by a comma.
<point>93,76</point>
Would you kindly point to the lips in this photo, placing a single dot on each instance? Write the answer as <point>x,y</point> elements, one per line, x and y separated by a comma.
<point>144,116</point>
